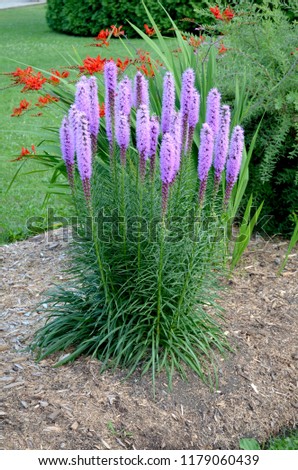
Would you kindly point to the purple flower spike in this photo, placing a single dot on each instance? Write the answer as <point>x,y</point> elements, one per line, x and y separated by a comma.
<point>94,114</point>
<point>141,90</point>
<point>123,99</point>
<point>205,158</point>
<point>84,153</point>
<point>82,97</point>
<point>213,109</point>
<point>193,118</point>
<point>234,160</point>
<point>187,89</point>
<point>221,145</point>
<point>73,120</point>
<point>122,135</point>
<point>168,102</point>
<point>176,133</point>
<point>154,133</point>
<point>67,149</point>
<point>167,167</point>
<point>143,137</point>
<point>110,77</point>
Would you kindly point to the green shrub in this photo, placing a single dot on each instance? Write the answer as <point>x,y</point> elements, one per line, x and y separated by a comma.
<point>260,42</point>
<point>88,17</point>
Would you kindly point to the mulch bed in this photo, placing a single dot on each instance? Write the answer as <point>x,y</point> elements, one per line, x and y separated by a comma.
<point>74,407</point>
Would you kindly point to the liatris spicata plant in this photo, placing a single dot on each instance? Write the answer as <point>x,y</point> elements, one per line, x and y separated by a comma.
<point>168,102</point>
<point>67,149</point>
<point>187,90</point>
<point>221,145</point>
<point>93,114</point>
<point>205,159</point>
<point>143,137</point>
<point>193,118</point>
<point>167,167</point>
<point>82,97</point>
<point>213,110</point>
<point>110,76</point>
<point>143,274</point>
<point>154,133</point>
<point>84,153</point>
<point>141,91</point>
<point>234,160</point>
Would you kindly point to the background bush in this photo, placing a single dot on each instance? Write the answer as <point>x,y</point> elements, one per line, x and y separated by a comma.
<point>261,54</point>
<point>88,17</point>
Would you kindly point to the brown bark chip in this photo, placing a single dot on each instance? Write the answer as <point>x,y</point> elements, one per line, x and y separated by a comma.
<point>73,407</point>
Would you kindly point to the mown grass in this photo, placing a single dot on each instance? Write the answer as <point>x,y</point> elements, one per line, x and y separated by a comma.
<point>27,40</point>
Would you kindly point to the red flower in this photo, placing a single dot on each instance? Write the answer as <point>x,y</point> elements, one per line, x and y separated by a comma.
<point>222,49</point>
<point>122,65</point>
<point>103,34</point>
<point>228,14</point>
<point>147,70</point>
<point>24,104</point>
<point>149,31</point>
<point>196,42</point>
<point>20,75</point>
<point>216,13</point>
<point>24,153</point>
<point>34,82</point>
<point>44,100</point>
<point>102,111</point>
<point>117,32</point>
<point>92,65</point>
<point>56,76</point>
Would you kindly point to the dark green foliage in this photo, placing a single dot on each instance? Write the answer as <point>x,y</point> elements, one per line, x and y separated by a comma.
<point>88,17</point>
<point>261,53</point>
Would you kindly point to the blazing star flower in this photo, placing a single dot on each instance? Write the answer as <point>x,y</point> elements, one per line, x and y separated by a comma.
<point>167,167</point>
<point>187,89</point>
<point>221,144</point>
<point>124,98</point>
<point>176,133</point>
<point>141,90</point>
<point>84,153</point>
<point>234,160</point>
<point>73,116</point>
<point>143,137</point>
<point>154,133</point>
<point>94,116</point>
<point>205,158</point>
<point>122,134</point>
<point>110,74</point>
<point>213,109</point>
<point>82,97</point>
<point>168,102</point>
<point>67,148</point>
<point>193,118</point>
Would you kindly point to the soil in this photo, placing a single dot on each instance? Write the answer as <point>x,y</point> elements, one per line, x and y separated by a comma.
<point>74,407</point>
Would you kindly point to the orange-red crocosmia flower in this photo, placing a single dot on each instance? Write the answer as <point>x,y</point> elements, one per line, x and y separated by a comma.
<point>117,32</point>
<point>103,34</point>
<point>216,13</point>
<point>44,100</point>
<point>122,65</point>
<point>228,14</point>
<point>24,104</point>
<point>222,49</point>
<point>34,82</point>
<point>20,75</point>
<point>24,153</point>
<point>92,65</point>
<point>149,31</point>
<point>56,76</point>
<point>147,70</point>
<point>102,111</point>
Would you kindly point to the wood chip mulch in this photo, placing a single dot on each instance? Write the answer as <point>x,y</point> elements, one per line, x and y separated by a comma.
<point>74,407</point>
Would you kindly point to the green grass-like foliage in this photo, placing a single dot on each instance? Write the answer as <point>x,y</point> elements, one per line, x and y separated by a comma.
<point>139,291</point>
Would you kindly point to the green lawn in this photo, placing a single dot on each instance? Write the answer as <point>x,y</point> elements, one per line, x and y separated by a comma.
<point>27,40</point>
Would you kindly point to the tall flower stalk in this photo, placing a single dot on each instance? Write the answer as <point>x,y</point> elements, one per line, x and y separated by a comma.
<point>110,77</point>
<point>143,138</point>
<point>168,102</point>
<point>234,160</point>
<point>221,145</point>
<point>68,149</point>
<point>187,90</point>
<point>205,159</point>
<point>213,110</point>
